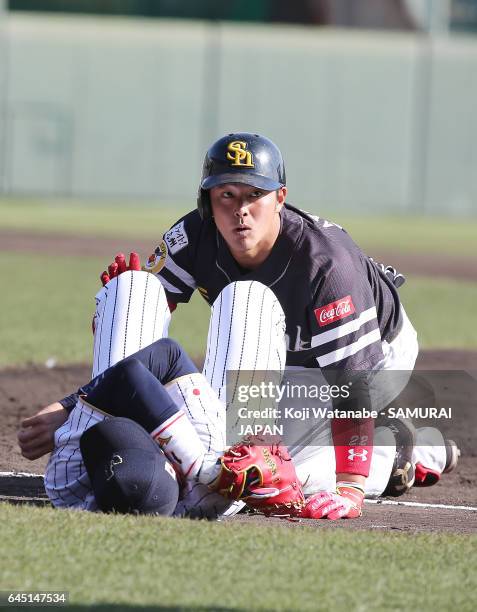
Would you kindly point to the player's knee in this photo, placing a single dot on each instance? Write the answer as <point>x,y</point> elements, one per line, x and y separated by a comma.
<point>129,368</point>
<point>239,287</point>
<point>250,300</point>
<point>171,347</point>
<point>176,361</point>
<point>113,393</point>
<point>249,293</point>
<point>129,376</point>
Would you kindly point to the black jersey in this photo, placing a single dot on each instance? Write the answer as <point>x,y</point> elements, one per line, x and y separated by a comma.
<point>338,304</point>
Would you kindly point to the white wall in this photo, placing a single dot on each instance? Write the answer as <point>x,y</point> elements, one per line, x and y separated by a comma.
<point>117,107</point>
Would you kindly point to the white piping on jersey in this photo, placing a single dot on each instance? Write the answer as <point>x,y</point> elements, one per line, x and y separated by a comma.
<point>347,328</point>
<point>184,276</point>
<point>351,349</point>
<point>167,285</point>
<point>282,274</point>
<point>222,270</point>
<point>289,261</point>
<point>271,284</point>
<point>216,258</point>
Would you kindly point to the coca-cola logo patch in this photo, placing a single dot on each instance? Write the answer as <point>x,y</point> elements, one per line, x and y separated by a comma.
<point>334,311</point>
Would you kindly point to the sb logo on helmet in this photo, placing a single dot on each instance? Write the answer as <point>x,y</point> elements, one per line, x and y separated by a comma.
<point>239,156</point>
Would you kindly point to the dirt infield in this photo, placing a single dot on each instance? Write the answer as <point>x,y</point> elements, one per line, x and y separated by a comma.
<point>390,518</point>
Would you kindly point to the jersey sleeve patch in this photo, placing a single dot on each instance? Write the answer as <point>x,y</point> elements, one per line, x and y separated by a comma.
<point>156,261</point>
<point>176,238</point>
<point>334,311</point>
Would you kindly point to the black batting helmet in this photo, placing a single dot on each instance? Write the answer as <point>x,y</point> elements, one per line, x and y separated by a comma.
<point>240,158</point>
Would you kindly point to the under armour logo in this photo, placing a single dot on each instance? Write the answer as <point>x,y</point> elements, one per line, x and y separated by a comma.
<point>109,471</point>
<point>363,455</point>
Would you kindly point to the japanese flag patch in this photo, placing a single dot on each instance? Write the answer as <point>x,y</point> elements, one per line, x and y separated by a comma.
<point>176,238</point>
<point>334,311</point>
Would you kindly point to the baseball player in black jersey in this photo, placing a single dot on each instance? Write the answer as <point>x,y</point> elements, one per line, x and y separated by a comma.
<point>343,313</point>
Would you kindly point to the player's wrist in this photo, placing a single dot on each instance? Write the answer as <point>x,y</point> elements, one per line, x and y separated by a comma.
<point>353,492</point>
<point>354,479</point>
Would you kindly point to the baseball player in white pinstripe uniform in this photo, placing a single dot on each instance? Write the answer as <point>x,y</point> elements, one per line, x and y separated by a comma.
<point>193,436</point>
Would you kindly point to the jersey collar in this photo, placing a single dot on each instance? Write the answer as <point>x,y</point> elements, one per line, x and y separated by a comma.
<point>276,264</point>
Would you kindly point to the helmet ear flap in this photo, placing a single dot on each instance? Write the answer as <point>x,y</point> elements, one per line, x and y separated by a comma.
<point>203,204</point>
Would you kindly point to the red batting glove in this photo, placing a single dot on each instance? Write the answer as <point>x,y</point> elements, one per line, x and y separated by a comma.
<point>119,266</point>
<point>121,261</point>
<point>134,261</point>
<point>347,502</point>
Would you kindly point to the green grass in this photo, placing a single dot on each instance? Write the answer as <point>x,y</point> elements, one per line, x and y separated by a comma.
<point>89,217</point>
<point>120,561</point>
<point>47,306</point>
<point>438,235</point>
<point>452,237</point>
<point>440,311</point>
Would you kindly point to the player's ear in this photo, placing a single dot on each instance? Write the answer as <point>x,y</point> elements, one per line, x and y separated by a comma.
<point>281,197</point>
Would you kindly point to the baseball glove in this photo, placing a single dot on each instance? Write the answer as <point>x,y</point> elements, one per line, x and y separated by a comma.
<point>262,475</point>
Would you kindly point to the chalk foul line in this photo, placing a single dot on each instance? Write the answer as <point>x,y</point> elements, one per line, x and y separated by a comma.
<point>380,502</point>
<point>389,502</point>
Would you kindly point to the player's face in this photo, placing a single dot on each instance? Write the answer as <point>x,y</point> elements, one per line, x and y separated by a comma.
<point>248,219</point>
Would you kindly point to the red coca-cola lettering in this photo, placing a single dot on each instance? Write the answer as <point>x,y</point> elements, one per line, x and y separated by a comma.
<point>334,311</point>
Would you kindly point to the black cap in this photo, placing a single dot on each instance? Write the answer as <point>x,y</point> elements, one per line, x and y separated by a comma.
<point>129,473</point>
